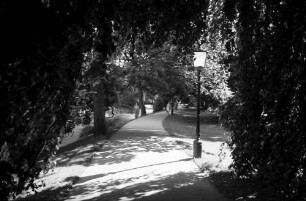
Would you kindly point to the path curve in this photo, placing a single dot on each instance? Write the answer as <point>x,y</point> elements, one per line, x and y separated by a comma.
<point>142,162</point>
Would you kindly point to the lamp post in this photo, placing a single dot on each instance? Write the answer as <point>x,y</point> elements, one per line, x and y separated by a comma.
<point>199,61</point>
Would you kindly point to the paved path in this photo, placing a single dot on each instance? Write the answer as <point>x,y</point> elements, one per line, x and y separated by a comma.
<point>141,162</point>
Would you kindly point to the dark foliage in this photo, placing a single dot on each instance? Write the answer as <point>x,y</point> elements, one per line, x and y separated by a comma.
<point>43,47</point>
<point>267,114</point>
<point>160,103</point>
<point>41,57</point>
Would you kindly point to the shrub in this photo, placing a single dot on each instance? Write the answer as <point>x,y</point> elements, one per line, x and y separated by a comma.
<point>159,104</point>
<point>267,115</point>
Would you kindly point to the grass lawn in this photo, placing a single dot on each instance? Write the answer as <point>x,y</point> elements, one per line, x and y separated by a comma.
<point>216,156</point>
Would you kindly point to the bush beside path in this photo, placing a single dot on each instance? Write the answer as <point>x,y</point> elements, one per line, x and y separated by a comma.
<point>216,156</point>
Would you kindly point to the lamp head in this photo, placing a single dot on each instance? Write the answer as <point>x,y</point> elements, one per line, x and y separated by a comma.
<point>199,58</point>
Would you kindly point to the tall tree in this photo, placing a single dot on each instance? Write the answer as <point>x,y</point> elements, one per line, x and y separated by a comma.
<point>267,114</point>
<point>157,22</point>
<point>42,57</point>
<point>94,77</point>
<point>158,70</point>
<point>43,43</point>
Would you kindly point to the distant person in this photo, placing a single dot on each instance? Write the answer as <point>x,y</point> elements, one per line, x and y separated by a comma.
<point>175,105</point>
<point>169,108</point>
<point>136,109</point>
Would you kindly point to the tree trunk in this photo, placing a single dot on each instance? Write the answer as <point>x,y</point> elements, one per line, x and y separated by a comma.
<point>99,111</point>
<point>172,105</point>
<point>141,104</point>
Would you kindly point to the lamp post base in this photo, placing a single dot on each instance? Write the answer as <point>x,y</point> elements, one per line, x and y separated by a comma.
<point>197,149</point>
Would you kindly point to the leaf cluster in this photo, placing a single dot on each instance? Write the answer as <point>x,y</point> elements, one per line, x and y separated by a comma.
<point>267,114</point>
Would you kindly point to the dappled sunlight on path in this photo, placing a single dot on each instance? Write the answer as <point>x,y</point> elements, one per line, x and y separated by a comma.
<point>140,162</point>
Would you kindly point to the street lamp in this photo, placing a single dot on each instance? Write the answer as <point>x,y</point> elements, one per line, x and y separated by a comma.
<point>199,61</point>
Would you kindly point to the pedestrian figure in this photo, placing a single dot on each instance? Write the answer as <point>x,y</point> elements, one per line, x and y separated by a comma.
<point>168,108</point>
<point>136,109</point>
<point>175,105</point>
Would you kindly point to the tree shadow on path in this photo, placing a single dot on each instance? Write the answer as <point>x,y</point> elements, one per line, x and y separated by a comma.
<point>179,186</point>
<point>242,189</point>
<point>142,164</point>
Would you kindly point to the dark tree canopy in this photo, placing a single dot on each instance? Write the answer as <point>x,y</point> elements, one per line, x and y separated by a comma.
<point>40,62</point>
<point>268,76</point>
<point>43,47</point>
